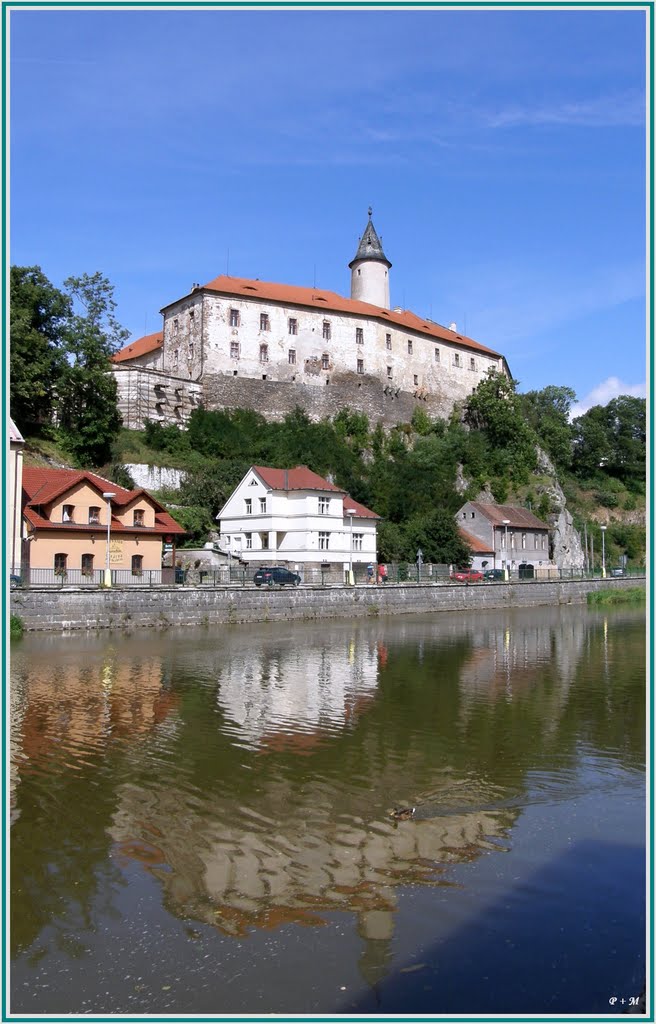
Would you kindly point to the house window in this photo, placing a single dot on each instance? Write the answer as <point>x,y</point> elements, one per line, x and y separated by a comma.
<point>543,539</point>
<point>292,325</point>
<point>388,342</point>
<point>60,563</point>
<point>262,505</point>
<point>291,357</point>
<point>360,366</point>
<point>324,505</point>
<point>137,565</point>
<point>415,379</point>
<point>325,361</point>
<point>523,540</point>
<point>357,541</point>
<point>323,541</point>
<point>503,540</point>
<point>264,321</point>
<point>67,513</point>
<point>234,350</point>
<point>138,517</point>
<point>234,318</point>
<point>409,346</point>
<point>264,541</point>
<point>94,514</point>
<point>359,336</point>
<point>264,353</point>
<point>472,363</point>
<point>437,355</point>
<point>456,359</point>
<point>472,515</point>
<point>326,330</point>
<point>389,372</point>
<point>248,506</point>
<point>248,537</point>
<point>86,565</point>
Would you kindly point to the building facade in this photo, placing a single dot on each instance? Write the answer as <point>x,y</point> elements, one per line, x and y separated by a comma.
<point>506,536</point>
<point>14,518</point>
<point>294,517</point>
<point>241,343</point>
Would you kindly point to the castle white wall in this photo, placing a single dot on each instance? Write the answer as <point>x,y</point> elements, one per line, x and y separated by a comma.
<point>370,283</point>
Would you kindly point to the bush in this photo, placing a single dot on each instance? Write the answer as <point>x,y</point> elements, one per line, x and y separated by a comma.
<point>16,627</point>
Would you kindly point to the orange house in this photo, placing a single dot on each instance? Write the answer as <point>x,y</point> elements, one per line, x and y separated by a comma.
<point>65,512</point>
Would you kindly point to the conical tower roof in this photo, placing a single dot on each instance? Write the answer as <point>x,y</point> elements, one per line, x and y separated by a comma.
<point>370,247</point>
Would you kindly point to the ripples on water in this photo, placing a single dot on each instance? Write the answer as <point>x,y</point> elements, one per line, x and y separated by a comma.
<point>249,773</point>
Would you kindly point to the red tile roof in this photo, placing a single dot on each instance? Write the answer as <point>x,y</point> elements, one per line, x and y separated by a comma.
<point>478,547</point>
<point>42,486</point>
<point>300,478</point>
<point>516,516</point>
<point>319,298</point>
<point>139,347</point>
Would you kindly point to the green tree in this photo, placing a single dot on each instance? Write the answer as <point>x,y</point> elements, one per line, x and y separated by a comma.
<point>547,412</point>
<point>438,537</point>
<point>88,414</point>
<point>38,317</point>
<point>495,409</point>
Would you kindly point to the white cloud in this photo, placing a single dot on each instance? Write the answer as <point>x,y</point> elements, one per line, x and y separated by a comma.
<point>609,111</point>
<point>610,388</point>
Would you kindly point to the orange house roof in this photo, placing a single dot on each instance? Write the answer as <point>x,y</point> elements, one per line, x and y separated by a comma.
<point>477,547</point>
<point>331,302</point>
<point>43,486</point>
<point>300,478</point>
<point>139,347</point>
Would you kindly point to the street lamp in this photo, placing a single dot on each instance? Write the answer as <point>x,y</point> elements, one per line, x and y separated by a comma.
<point>108,495</point>
<point>603,552</point>
<point>350,513</point>
<point>505,523</point>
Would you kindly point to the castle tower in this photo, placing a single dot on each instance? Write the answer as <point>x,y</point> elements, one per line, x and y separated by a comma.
<point>370,270</point>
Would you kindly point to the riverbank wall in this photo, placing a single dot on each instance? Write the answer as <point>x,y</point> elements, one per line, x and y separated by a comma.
<point>72,608</point>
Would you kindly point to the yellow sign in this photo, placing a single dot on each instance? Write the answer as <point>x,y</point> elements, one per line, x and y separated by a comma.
<point>115,551</point>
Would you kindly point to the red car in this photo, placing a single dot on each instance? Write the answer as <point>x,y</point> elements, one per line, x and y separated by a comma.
<point>467,576</point>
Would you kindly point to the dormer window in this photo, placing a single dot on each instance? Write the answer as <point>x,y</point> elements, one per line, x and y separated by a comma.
<point>94,515</point>
<point>67,513</point>
<point>138,517</point>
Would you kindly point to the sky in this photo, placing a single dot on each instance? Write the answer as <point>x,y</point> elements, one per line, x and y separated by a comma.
<point>502,152</point>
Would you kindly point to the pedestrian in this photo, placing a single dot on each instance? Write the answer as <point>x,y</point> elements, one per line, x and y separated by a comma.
<point>382,573</point>
<point>370,573</point>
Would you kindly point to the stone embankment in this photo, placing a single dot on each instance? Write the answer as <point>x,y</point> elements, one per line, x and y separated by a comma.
<point>72,608</point>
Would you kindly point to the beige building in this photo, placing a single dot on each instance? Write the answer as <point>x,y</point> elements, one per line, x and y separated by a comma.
<point>66,513</point>
<point>236,342</point>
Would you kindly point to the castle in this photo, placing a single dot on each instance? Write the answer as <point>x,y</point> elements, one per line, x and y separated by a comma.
<point>239,343</point>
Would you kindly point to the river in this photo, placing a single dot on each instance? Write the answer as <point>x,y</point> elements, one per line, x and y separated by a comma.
<point>200,818</point>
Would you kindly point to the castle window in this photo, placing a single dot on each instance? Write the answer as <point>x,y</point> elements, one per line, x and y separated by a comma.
<point>416,380</point>
<point>409,346</point>
<point>292,325</point>
<point>360,366</point>
<point>359,336</point>
<point>326,330</point>
<point>234,350</point>
<point>264,353</point>
<point>190,353</point>
<point>456,359</point>
<point>94,514</point>
<point>325,361</point>
<point>191,314</point>
<point>324,539</point>
<point>358,272</point>
<point>437,355</point>
<point>472,363</point>
<point>175,357</point>
<point>264,322</point>
<point>291,357</point>
<point>234,318</point>
<point>175,326</point>
<point>248,506</point>
<point>138,517</point>
<point>388,341</point>
<point>389,372</point>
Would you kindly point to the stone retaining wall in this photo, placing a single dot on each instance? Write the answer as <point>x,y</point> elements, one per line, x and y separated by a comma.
<point>72,609</point>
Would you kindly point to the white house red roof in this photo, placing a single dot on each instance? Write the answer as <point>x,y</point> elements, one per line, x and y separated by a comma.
<point>300,478</point>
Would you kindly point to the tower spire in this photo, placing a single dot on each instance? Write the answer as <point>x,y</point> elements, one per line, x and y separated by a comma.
<point>369,269</point>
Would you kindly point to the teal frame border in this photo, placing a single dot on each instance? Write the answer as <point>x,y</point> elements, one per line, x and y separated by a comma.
<point>648,6</point>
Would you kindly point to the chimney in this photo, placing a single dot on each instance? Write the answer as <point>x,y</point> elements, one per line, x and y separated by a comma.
<point>454,328</point>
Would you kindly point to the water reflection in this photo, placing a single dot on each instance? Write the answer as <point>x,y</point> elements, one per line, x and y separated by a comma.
<point>250,772</point>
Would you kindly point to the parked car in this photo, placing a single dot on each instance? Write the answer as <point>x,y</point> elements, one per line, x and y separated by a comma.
<point>494,574</point>
<point>270,574</point>
<point>617,570</point>
<point>15,581</point>
<point>466,576</point>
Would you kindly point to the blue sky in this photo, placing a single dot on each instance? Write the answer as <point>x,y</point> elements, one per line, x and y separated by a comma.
<point>503,153</point>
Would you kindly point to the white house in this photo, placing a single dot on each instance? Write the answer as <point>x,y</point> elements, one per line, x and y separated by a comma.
<point>294,516</point>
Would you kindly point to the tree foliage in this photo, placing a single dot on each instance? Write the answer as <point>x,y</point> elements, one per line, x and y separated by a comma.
<point>611,440</point>
<point>548,413</point>
<point>495,410</point>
